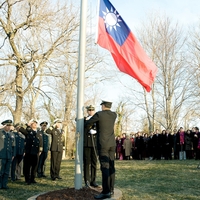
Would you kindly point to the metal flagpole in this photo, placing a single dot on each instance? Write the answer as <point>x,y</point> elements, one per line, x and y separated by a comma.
<point>80,96</point>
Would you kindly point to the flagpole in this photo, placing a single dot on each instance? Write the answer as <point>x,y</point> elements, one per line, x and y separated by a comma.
<point>80,97</point>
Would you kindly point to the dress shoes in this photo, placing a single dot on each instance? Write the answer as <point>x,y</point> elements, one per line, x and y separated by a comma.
<point>58,177</point>
<point>87,184</point>
<point>102,196</point>
<point>28,182</point>
<point>33,181</point>
<point>5,188</point>
<point>93,184</point>
<point>53,179</point>
<point>44,176</point>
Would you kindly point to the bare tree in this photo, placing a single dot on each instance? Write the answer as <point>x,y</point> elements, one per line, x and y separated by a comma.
<point>31,34</point>
<point>165,42</point>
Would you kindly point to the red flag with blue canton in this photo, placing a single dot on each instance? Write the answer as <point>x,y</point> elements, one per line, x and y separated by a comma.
<point>115,36</point>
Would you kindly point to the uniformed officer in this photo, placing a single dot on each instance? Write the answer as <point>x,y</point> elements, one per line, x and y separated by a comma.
<point>7,152</point>
<point>33,148</point>
<point>20,142</point>
<point>89,151</point>
<point>105,121</point>
<point>57,145</point>
<point>46,147</point>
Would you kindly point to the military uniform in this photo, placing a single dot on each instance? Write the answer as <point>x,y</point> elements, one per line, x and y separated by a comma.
<point>34,145</point>
<point>20,142</point>
<point>89,154</point>
<point>57,144</point>
<point>44,154</point>
<point>7,152</point>
<point>105,121</point>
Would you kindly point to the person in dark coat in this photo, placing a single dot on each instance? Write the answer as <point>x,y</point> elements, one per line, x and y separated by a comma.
<point>168,143</point>
<point>89,151</point>
<point>188,144</point>
<point>146,146</point>
<point>196,143</point>
<point>106,144</point>
<point>33,148</point>
<point>139,146</point>
<point>157,143</point>
<point>150,146</point>
<point>20,144</point>
<point>57,145</point>
<point>46,147</point>
<point>162,144</point>
<point>175,146</point>
<point>7,152</point>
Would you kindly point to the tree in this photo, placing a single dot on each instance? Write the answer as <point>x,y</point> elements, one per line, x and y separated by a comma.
<point>164,41</point>
<point>31,35</point>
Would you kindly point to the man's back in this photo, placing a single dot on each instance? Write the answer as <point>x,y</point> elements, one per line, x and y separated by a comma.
<point>105,127</point>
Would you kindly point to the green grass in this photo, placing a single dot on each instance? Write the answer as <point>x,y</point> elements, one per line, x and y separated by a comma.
<point>162,180</point>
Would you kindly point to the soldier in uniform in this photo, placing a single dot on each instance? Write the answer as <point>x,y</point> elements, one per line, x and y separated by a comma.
<point>7,152</point>
<point>57,145</point>
<point>105,121</point>
<point>44,154</point>
<point>33,148</point>
<point>89,151</point>
<point>19,141</point>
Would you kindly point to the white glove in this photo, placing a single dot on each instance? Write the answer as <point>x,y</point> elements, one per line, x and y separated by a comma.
<point>92,131</point>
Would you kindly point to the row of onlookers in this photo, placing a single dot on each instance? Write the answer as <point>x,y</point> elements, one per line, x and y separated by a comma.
<point>158,145</point>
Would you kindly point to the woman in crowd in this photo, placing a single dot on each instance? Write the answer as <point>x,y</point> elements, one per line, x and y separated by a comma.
<point>188,144</point>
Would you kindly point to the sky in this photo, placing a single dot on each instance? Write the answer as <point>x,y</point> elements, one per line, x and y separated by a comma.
<point>135,12</point>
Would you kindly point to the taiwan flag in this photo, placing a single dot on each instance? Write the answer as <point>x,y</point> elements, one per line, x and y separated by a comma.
<point>115,36</point>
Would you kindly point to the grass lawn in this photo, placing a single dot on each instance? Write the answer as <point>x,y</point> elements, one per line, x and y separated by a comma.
<point>138,180</point>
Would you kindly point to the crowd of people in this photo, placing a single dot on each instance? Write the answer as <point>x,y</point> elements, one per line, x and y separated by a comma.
<point>24,150</point>
<point>166,144</point>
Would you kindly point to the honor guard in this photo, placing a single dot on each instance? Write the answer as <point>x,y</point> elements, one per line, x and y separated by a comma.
<point>46,147</point>
<point>89,151</point>
<point>7,152</point>
<point>105,121</point>
<point>57,145</point>
<point>33,147</point>
<point>19,144</point>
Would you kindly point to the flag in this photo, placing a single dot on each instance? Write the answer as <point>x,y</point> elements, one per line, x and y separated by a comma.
<point>115,36</point>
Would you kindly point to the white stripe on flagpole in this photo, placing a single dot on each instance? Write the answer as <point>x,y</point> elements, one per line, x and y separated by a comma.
<point>97,24</point>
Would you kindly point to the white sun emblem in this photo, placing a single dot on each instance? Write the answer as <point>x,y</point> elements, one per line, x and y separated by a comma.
<point>111,18</point>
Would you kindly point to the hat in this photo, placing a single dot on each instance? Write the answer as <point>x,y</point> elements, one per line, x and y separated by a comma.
<point>32,121</point>
<point>90,107</point>
<point>106,104</point>
<point>43,123</point>
<point>57,121</point>
<point>18,124</point>
<point>7,122</point>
